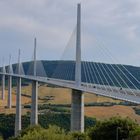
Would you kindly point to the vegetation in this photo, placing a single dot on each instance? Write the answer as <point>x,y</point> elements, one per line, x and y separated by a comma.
<point>7,122</point>
<point>1,138</point>
<point>105,130</point>
<point>54,108</point>
<point>65,107</point>
<point>113,128</point>
<point>56,127</point>
<point>52,133</point>
<point>7,125</point>
<point>137,110</point>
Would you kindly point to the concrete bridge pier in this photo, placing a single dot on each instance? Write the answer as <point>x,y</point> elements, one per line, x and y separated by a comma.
<point>18,108</point>
<point>34,105</point>
<point>9,91</point>
<point>77,107</point>
<point>3,87</point>
<point>77,111</point>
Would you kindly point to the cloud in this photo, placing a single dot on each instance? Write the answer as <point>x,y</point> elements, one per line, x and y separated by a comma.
<point>52,22</point>
<point>131,33</point>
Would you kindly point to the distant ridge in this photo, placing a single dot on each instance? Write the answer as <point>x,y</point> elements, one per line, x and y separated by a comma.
<point>66,70</point>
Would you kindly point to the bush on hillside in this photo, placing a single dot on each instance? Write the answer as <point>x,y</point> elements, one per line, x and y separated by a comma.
<point>7,122</point>
<point>112,128</point>
<point>52,133</point>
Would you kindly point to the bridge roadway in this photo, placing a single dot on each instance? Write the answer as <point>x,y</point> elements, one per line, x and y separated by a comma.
<point>131,95</point>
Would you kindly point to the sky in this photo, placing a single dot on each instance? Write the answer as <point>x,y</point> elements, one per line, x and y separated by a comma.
<point>110,30</point>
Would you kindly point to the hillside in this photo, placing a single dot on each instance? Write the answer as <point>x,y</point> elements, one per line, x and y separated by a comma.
<point>63,96</point>
<point>91,72</point>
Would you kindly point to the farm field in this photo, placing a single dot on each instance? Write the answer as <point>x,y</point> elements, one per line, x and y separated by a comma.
<point>3,103</point>
<point>63,96</point>
<point>102,113</point>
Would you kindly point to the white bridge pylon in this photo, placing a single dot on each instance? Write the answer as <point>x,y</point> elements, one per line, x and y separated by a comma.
<point>77,85</point>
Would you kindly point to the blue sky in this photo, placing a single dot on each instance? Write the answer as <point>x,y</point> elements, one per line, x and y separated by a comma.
<point>112,25</point>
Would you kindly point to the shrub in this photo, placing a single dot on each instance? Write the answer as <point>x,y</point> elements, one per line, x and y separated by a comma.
<point>38,133</point>
<point>110,129</point>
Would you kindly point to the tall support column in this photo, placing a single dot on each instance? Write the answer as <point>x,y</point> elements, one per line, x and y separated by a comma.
<point>77,111</point>
<point>10,85</point>
<point>18,108</point>
<point>3,81</point>
<point>34,62</point>
<point>77,107</point>
<point>18,101</point>
<point>9,91</point>
<point>78,48</point>
<point>3,87</point>
<point>34,106</point>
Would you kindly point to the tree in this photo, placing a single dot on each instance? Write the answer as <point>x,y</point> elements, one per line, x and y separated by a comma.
<point>52,133</point>
<point>79,136</point>
<point>39,133</point>
<point>112,129</point>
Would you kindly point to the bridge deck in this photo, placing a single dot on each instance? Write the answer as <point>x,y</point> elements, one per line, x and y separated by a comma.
<point>125,94</point>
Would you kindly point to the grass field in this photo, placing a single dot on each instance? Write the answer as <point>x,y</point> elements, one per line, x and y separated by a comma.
<point>63,96</point>
<point>112,111</point>
<point>3,103</point>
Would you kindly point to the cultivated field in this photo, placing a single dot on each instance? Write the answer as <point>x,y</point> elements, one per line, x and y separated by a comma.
<point>3,103</point>
<point>112,111</point>
<point>63,96</point>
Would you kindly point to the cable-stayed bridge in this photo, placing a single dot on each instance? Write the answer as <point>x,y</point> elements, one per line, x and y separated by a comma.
<point>114,81</point>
